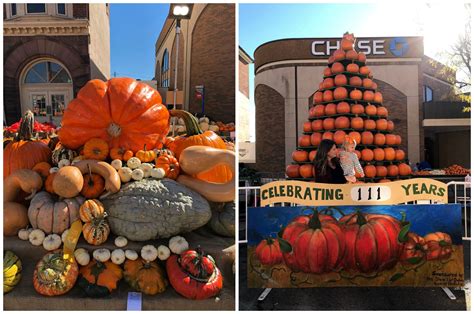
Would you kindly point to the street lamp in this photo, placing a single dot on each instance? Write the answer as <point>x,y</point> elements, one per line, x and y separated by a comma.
<point>178,12</point>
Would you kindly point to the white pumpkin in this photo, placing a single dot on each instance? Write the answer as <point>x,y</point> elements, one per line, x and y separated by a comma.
<point>63,163</point>
<point>52,242</point>
<point>146,168</point>
<point>53,169</point>
<point>133,163</point>
<point>137,174</point>
<point>116,164</point>
<point>82,256</point>
<point>101,255</point>
<point>214,128</point>
<point>118,256</point>
<point>149,253</point>
<point>131,255</point>
<point>24,234</point>
<point>64,235</point>
<point>121,241</point>
<point>125,174</point>
<point>163,252</point>
<point>204,126</point>
<point>36,237</point>
<point>178,244</point>
<point>204,119</point>
<point>158,173</point>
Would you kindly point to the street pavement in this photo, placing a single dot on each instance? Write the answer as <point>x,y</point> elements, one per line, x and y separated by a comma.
<point>354,298</point>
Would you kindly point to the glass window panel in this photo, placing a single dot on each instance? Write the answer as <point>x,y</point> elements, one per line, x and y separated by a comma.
<point>32,77</point>
<point>39,105</point>
<point>35,8</point>
<point>58,104</point>
<point>62,77</point>
<point>62,8</point>
<point>13,7</point>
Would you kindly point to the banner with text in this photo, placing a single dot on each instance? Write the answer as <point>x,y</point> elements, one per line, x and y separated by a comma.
<point>316,194</point>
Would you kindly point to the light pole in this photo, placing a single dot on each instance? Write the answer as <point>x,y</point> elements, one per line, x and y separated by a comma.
<point>178,12</point>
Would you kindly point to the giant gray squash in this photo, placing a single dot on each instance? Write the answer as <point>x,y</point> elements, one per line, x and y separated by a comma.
<point>150,209</point>
<point>223,219</point>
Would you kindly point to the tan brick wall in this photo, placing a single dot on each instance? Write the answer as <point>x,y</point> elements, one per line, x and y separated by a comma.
<point>270,130</point>
<point>213,61</point>
<point>243,77</point>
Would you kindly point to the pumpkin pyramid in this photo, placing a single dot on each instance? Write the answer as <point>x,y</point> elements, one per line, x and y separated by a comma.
<point>348,103</point>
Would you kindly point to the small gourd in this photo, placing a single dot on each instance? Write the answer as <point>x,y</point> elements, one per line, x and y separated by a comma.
<point>125,174</point>
<point>121,241</point>
<point>204,119</point>
<point>64,235</point>
<point>131,255</point>
<point>23,234</point>
<point>146,168</point>
<point>63,163</point>
<point>214,128</point>
<point>163,252</point>
<point>178,244</point>
<point>137,174</point>
<point>36,237</point>
<point>101,255</point>
<point>204,126</point>
<point>117,164</point>
<point>134,163</point>
<point>54,169</point>
<point>158,173</point>
<point>118,256</point>
<point>82,256</point>
<point>149,253</point>
<point>52,242</point>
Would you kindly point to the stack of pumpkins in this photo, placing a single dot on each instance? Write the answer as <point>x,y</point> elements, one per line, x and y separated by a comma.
<point>348,103</point>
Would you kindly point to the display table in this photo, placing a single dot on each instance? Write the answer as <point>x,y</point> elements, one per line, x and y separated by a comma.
<point>24,297</point>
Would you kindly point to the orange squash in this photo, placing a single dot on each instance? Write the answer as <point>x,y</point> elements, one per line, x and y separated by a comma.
<point>398,140</point>
<point>381,171</point>
<point>319,110</point>
<point>390,139</point>
<point>381,124</point>
<point>382,111</point>
<point>392,170</point>
<point>293,171</point>
<point>389,153</point>
<point>342,122</point>
<point>312,154</point>
<point>328,82</point>
<point>316,125</point>
<point>371,110</point>
<point>357,109</point>
<point>357,123</point>
<point>330,109</point>
<point>328,124</point>
<point>343,107</point>
<point>306,171</point>
<point>339,136</point>
<point>337,68</point>
<point>42,168</point>
<point>367,138</point>
<point>352,55</point>
<point>24,152</point>
<point>399,154</point>
<point>355,94</point>
<point>340,93</point>
<point>304,140</point>
<point>318,97</point>
<point>379,154</point>
<point>328,136</point>
<point>327,72</point>
<point>96,148</point>
<point>169,164</point>
<point>355,81</point>
<point>93,186</point>
<point>68,182</point>
<point>315,139</point>
<point>146,155</point>
<point>378,97</point>
<point>367,154</point>
<point>368,95</point>
<point>328,96</point>
<point>370,171</point>
<point>390,125</point>
<point>352,68</point>
<point>299,155</point>
<point>367,83</point>
<point>339,55</point>
<point>307,126</point>
<point>364,70</point>
<point>347,44</point>
<point>379,139</point>
<point>340,80</point>
<point>404,169</point>
<point>362,57</point>
<point>369,124</point>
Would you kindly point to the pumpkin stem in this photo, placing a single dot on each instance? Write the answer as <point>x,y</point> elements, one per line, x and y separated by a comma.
<point>269,241</point>
<point>29,197</point>
<point>192,124</point>
<point>27,124</point>
<point>314,222</point>
<point>360,218</point>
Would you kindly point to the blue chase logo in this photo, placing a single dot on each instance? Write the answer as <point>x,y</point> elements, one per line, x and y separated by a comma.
<point>399,46</point>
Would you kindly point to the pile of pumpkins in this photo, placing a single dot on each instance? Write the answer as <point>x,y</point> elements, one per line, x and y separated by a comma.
<point>111,135</point>
<point>348,103</point>
<point>205,124</point>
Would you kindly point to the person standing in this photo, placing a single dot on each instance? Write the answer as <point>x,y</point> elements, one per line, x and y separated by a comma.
<point>326,164</point>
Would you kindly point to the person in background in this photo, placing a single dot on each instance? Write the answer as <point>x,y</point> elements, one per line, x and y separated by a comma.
<point>326,164</point>
<point>350,165</point>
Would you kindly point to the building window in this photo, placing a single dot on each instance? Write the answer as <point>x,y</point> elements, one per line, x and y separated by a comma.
<point>427,94</point>
<point>47,72</point>
<point>13,9</point>
<point>61,8</point>
<point>165,77</point>
<point>35,8</point>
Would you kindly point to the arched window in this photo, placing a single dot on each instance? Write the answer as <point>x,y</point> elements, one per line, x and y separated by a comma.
<point>47,72</point>
<point>165,66</point>
<point>427,94</point>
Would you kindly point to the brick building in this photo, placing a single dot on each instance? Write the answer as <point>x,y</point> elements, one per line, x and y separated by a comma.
<point>50,52</point>
<point>206,58</point>
<point>288,72</point>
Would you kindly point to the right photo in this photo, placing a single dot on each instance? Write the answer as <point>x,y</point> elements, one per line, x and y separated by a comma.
<point>354,156</point>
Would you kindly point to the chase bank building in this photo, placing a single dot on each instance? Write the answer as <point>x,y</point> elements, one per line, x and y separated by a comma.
<point>418,93</point>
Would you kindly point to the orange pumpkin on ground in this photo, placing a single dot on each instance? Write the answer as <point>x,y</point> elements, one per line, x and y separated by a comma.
<point>367,138</point>
<point>328,124</point>
<point>355,81</point>
<point>330,109</point>
<point>315,139</point>
<point>369,124</point>
<point>317,125</point>
<point>340,80</point>
<point>379,139</point>
<point>342,122</point>
<point>306,171</point>
<point>121,111</point>
<point>389,153</point>
<point>370,171</point>
<point>392,170</point>
<point>379,154</point>
<point>343,107</point>
<point>300,155</point>
<point>367,155</point>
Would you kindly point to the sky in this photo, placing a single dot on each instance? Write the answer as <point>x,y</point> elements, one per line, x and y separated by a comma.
<point>134,29</point>
<point>439,24</point>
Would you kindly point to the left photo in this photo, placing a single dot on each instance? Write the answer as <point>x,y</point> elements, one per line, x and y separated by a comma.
<point>118,156</point>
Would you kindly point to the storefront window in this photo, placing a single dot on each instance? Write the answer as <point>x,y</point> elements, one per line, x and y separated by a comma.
<point>165,82</point>
<point>35,8</point>
<point>13,9</point>
<point>427,94</point>
<point>47,72</point>
<point>62,8</point>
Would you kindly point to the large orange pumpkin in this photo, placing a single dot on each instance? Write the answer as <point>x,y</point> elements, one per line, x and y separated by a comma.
<point>337,68</point>
<point>367,154</point>
<point>357,123</point>
<point>369,170</point>
<point>381,124</point>
<point>315,139</point>
<point>24,152</point>
<point>367,138</point>
<point>121,111</point>
<point>339,136</point>
<point>399,154</point>
<point>404,169</point>
<point>317,125</point>
<point>357,109</point>
<point>304,140</point>
<point>340,93</point>
<point>392,170</point>
<point>389,153</point>
<point>369,124</point>
<point>379,139</point>
<point>343,107</point>
<point>328,124</point>
<point>379,154</point>
<point>330,109</point>
<point>340,80</point>
<point>342,123</point>
<point>300,155</point>
<point>355,136</point>
<point>355,81</point>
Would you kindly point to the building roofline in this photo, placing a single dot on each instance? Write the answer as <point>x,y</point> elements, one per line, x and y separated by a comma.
<point>244,55</point>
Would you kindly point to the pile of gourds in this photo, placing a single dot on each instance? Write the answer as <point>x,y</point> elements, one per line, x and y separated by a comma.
<point>112,135</point>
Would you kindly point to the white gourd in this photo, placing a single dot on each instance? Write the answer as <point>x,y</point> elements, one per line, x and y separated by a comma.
<point>116,164</point>
<point>137,174</point>
<point>163,252</point>
<point>149,253</point>
<point>125,174</point>
<point>118,256</point>
<point>23,234</point>
<point>158,173</point>
<point>53,169</point>
<point>52,242</point>
<point>131,255</point>
<point>82,256</point>
<point>121,241</point>
<point>146,168</point>
<point>134,163</point>
<point>101,255</point>
<point>178,244</point>
<point>36,237</point>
